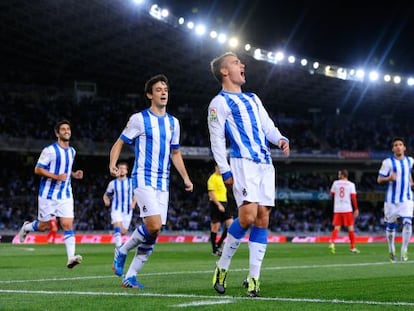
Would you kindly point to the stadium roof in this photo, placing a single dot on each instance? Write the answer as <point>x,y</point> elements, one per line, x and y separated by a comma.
<point>119,46</point>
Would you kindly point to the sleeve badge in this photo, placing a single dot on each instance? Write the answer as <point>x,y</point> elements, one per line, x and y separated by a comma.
<point>212,114</point>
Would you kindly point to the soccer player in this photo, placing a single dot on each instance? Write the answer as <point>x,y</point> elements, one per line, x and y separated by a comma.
<point>55,197</point>
<point>241,117</point>
<point>119,196</point>
<point>396,172</point>
<point>155,135</point>
<point>344,195</point>
<point>219,211</point>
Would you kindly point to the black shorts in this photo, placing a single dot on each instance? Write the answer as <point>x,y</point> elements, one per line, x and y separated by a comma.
<point>216,215</point>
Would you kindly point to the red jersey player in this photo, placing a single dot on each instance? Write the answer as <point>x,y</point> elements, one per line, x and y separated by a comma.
<point>345,197</point>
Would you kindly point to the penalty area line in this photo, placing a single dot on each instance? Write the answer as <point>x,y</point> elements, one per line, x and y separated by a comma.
<point>230,299</point>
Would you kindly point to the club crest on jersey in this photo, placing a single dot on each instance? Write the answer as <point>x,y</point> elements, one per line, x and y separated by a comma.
<point>212,114</point>
<point>244,192</point>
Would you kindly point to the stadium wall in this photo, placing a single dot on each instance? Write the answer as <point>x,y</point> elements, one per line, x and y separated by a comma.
<point>104,238</point>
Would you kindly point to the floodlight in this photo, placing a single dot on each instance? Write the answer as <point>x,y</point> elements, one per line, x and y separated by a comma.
<point>155,11</point>
<point>200,30</point>
<point>165,13</point>
<point>222,38</point>
<point>213,34</point>
<point>360,73</point>
<point>373,75</point>
<point>279,56</point>
<point>233,42</point>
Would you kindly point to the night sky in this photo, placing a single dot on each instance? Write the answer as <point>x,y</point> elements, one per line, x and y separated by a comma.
<point>347,33</point>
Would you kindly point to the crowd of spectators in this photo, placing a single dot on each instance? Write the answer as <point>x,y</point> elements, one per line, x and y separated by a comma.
<point>187,212</point>
<point>31,112</point>
<point>99,120</point>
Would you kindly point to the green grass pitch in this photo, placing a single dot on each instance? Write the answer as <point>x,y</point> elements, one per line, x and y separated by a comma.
<point>178,277</point>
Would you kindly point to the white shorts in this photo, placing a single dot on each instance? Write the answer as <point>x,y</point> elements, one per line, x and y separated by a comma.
<point>253,182</point>
<point>152,202</point>
<point>49,208</point>
<point>394,211</point>
<point>123,218</point>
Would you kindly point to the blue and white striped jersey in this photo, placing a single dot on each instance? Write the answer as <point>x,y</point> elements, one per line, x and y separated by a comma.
<point>399,190</point>
<point>153,138</point>
<point>57,160</point>
<point>120,192</point>
<point>241,118</point>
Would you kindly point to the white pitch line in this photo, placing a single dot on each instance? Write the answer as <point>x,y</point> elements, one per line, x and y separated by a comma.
<point>203,303</point>
<point>351,265</point>
<point>29,249</point>
<point>229,298</point>
<point>79,278</point>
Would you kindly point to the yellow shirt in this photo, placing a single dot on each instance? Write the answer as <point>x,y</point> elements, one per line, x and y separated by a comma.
<point>215,183</point>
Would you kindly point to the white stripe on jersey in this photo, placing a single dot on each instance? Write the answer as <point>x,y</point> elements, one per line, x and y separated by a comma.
<point>342,190</point>
<point>399,190</point>
<point>154,136</point>
<point>120,192</point>
<point>56,160</point>
<point>241,118</point>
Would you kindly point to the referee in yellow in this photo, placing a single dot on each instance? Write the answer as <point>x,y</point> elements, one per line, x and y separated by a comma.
<point>219,211</point>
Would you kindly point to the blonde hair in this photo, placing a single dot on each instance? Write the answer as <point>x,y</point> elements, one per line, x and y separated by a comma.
<point>217,63</point>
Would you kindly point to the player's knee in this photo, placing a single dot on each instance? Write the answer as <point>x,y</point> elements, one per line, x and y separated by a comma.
<point>154,229</point>
<point>246,221</point>
<point>407,221</point>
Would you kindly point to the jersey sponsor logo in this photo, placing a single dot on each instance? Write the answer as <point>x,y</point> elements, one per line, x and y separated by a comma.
<point>212,114</point>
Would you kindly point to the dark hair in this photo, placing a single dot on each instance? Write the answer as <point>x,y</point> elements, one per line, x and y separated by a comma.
<point>217,63</point>
<point>60,123</point>
<point>122,163</point>
<point>344,173</point>
<point>397,139</point>
<point>151,82</point>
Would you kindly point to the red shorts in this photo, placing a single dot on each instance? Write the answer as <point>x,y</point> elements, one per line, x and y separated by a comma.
<point>343,219</point>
